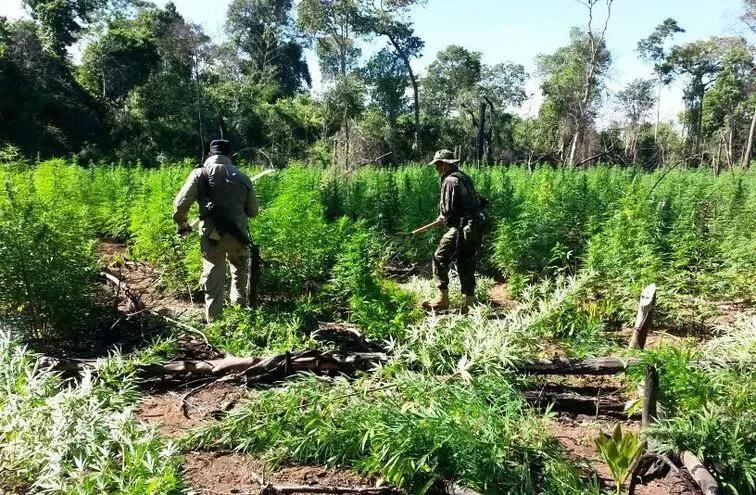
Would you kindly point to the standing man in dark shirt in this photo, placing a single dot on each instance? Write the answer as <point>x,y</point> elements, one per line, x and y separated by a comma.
<point>459,210</point>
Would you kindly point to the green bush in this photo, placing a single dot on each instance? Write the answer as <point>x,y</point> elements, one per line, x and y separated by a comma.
<point>378,307</point>
<point>46,256</point>
<point>76,439</point>
<point>415,432</point>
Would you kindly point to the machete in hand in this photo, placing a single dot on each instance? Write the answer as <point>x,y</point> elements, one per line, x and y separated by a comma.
<point>425,228</point>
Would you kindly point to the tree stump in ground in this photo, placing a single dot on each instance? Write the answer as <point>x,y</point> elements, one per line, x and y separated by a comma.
<point>643,318</point>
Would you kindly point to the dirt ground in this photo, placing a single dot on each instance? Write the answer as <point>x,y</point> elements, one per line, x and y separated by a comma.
<point>146,282</point>
<point>232,472</point>
<point>163,409</point>
<point>229,472</point>
<point>578,436</point>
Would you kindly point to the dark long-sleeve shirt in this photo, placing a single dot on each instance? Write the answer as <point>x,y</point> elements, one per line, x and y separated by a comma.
<point>458,198</point>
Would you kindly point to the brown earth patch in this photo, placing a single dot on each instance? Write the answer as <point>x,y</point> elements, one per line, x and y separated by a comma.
<point>578,436</point>
<point>146,282</point>
<point>501,297</point>
<point>231,472</point>
<point>164,409</point>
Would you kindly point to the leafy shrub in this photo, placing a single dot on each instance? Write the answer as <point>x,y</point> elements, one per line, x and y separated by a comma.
<point>619,452</point>
<point>46,258</point>
<point>414,431</point>
<point>298,246</point>
<point>379,307</point>
<point>259,331</point>
<point>59,438</point>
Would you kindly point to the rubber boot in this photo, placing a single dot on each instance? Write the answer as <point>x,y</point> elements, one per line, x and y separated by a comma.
<point>468,303</point>
<point>440,303</point>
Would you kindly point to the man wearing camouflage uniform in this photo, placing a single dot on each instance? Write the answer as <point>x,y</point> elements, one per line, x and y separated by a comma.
<point>460,207</point>
<point>226,200</point>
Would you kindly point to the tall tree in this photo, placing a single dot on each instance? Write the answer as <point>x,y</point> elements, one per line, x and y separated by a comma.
<point>458,84</point>
<point>635,101</point>
<point>700,63</point>
<point>331,23</point>
<point>43,109</point>
<point>391,19</point>
<point>594,64</point>
<point>264,32</point>
<point>63,20</point>
<point>749,16</point>
<point>653,49</point>
<point>567,109</point>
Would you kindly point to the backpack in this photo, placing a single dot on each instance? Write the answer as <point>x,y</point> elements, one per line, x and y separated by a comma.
<point>217,213</point>
<point>482,217</point>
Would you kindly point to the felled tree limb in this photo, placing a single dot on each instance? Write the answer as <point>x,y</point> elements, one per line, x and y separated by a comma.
<point>120,285</point>
<point>571,401</point>
<point>700,474</point>
<point>249,368</point>
<point>565,366</point>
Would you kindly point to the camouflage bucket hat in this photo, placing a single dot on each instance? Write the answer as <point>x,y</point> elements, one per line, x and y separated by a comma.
<point>444,156</point>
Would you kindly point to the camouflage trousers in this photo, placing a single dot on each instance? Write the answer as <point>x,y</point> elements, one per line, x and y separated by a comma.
<point>214,256</point>
<point>451,247</point>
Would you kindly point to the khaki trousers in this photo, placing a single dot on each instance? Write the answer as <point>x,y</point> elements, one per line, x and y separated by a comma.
<point>214,256</point>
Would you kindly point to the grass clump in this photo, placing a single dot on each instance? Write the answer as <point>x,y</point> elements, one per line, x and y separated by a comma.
<point>64,438</point>
<point>415,430</point>
<point>254,332</point>
<point>710,399</point>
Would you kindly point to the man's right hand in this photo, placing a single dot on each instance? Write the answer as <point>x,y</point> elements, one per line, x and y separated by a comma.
<point>184,229</point>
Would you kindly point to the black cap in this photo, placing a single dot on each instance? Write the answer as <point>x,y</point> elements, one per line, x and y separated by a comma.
<point>220,147</point>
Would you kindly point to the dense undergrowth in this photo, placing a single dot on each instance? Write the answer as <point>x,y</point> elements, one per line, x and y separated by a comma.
<point>575,247</point>
<point>77,438</point>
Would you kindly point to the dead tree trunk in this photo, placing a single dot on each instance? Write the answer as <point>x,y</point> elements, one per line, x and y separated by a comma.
<point>749,144</point>
<point>481,141</point>
<point>643,318</point>
<point>415,91</point>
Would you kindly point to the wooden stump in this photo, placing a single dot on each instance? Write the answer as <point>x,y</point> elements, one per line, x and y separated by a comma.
<point>643,318</point>
<point>650,396</point>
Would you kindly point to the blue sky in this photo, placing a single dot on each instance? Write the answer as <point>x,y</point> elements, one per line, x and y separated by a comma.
<point>519,30</point>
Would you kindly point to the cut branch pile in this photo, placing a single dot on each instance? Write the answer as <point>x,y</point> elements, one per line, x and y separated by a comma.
<point>252,369</point>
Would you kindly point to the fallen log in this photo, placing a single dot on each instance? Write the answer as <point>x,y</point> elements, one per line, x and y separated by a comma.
<point>249,368</point>
<point>700,474</point>
<point>566,366</point>
<point>574,402</point>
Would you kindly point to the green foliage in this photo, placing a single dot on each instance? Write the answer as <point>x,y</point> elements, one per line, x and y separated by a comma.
<point>711,408</point>
<point>619,452</point>
<point>46,252</point>
<point>254,332</point>
<point>297,243</point>
<point>62,438</point>
<point>380,308</point>
<point>415,431</point>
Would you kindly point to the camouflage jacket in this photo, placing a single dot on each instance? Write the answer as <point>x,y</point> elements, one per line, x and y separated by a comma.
<point>458,198</point>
